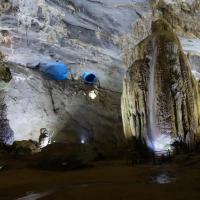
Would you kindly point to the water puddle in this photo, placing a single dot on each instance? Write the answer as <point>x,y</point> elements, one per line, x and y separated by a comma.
<point>164,178</point>
<point>34,196</point>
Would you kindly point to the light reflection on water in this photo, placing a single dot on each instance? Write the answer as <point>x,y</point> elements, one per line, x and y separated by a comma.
<point>163,179</point>
<point>37,195</point>
<point>34,196</point>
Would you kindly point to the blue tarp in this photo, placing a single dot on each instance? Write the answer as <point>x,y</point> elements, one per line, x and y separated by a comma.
<point>89,78</point>
<point>54,70</point>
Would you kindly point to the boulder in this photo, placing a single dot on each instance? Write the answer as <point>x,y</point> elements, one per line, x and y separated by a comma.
<point>25,147</point>
<point>63,156</point>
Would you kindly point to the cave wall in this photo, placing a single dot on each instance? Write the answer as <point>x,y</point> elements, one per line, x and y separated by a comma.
<point>86,36</point>
<point>173,113</point>
<point>6,133</point>
<point>183,18</point>
<point>182,15</point>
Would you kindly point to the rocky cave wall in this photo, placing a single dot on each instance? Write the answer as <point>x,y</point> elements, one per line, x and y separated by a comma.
<point>184,17</point>
<point>160,100</point>
<point>86,35</point>
<point>6,133</point>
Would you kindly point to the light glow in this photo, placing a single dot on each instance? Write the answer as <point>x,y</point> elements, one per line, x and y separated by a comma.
<point>82,141</point>
<point>93,94</point>
<point>162,143</point>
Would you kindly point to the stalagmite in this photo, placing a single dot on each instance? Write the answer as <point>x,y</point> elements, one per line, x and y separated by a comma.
<point>160,95</point>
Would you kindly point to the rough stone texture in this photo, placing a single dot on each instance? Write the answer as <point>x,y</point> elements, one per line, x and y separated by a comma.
<point>182,15</point>
<point>191,48</point>
<point>61,106</point>
<point>25,147</point>
<point>85,35</point>
<point>6,134</point>
<point>128,42</point>
<point>160,101</point>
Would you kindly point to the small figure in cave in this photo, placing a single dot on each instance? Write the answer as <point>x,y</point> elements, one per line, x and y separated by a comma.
<point>45,137</point>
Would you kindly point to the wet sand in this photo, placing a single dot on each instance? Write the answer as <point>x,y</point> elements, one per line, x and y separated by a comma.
<point>106,180</point>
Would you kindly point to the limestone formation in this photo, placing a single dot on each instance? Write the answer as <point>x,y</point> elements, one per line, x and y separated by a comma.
<point>85,36</point>
<point>182,15</point>
<point>160,100</point>
<point>6,134</point>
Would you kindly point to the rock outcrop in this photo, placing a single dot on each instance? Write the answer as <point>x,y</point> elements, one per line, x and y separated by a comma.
<point>24,147</point>
<point>182,15</point>
<point>160,101</point>
<point>6,133</point>
<point>85,36</point>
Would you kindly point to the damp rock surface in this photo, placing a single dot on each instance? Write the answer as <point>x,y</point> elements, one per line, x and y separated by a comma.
<point>85,35</point>
<point>6,133</point>
<point>160,101</point>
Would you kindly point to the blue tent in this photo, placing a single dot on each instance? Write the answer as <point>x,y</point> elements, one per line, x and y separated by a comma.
<point>54,70</point>
<point>89,78</point>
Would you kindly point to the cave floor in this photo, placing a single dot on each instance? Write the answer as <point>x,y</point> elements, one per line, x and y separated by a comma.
<point>106,180</point>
